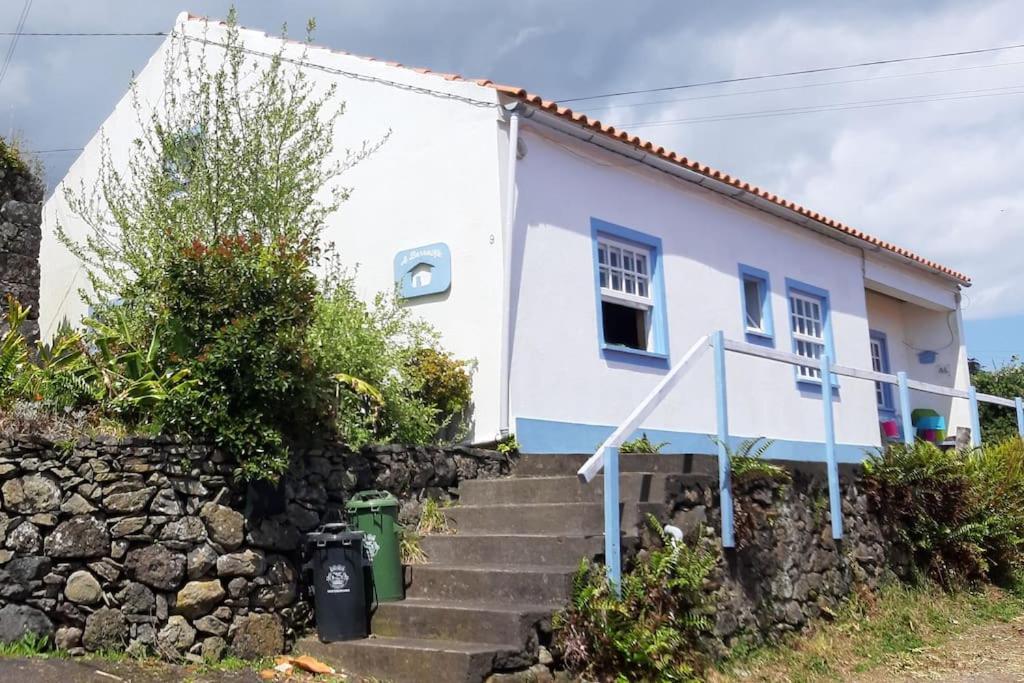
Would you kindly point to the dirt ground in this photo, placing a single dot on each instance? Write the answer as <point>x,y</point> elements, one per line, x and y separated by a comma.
<point>992,653</point>
<point>39,670</point>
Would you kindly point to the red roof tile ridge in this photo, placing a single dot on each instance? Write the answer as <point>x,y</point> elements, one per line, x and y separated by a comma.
<point>561,111</point>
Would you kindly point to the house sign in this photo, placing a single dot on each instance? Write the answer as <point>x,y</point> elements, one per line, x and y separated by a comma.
<point>423,270</point>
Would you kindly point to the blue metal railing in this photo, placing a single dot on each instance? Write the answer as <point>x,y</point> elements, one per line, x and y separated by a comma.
<point>606,457</point>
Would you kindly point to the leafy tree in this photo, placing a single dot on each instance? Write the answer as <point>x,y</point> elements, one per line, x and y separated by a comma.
<point>210,234</point>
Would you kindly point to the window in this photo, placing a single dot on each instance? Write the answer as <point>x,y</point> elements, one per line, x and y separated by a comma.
<point>630,292</point>
<point>755,297</point>
<point>626,303</point>
<point>880,363</point>
<point>810,326</point>
<point>624,272</point>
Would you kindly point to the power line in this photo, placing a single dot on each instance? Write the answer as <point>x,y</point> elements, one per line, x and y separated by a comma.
<point>804,86</point>
<point>22,18</point>
<point>840,106</point>
<point>56,151</point>
<point>799,72</point>
<point>95,34</point>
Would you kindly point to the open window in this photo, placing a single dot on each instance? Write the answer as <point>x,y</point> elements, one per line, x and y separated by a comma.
<point>626,303</point>
<point>630,295</point>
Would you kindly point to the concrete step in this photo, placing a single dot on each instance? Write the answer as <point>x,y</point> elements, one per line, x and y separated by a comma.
<point>574,519</point>
<point>485,622</point>
<point>633,487</point>
<point>410,660</point>
<point>522,584</point>
<point>555,465</point>
<point>512,549</point>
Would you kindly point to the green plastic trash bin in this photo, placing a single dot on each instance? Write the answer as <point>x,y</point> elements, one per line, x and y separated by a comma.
<point>375,513</point>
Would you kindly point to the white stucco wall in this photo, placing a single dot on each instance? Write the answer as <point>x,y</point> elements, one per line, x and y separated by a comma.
<point>436,179</point>
<point>909,329</point>
<point>559,373</point>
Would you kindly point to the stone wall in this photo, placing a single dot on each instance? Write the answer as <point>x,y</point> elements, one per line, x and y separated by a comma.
<point>21,196</point>
<point>786,569</point>
<point>145,544</point>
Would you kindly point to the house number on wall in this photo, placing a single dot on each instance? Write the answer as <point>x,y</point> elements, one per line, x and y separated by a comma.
<point>423,270</point>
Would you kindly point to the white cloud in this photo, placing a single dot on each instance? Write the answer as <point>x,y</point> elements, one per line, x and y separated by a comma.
<point>941,178</point>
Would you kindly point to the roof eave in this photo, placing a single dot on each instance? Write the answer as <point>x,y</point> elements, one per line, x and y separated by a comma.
<point>580,129</point>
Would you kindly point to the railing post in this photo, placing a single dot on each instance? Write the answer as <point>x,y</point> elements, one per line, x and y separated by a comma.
<point>834,499</point>
<point>724,468</point>
<point>972,396</point>
<point>908,422</point>
<point>1020,414</point>
<point>612,552</point>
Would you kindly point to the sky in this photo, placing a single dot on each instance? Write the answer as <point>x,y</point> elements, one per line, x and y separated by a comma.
<point>927,154</point>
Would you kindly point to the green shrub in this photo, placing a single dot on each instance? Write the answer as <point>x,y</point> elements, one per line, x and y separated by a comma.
<point>960,513</point>
<point>642,445</point>
<point>373,347</point>
<point>239,310</point>
<point>650,633</point>
<point>445,385</point>
<point>998,423</point>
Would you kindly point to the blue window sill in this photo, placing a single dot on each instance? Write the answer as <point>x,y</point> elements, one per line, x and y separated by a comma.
<point>886,413</point>
<point>760,338</point>
<point>630,354</point>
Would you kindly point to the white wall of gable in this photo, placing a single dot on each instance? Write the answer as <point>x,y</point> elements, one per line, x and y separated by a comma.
<point>435,179</point>
<point>559,372</point>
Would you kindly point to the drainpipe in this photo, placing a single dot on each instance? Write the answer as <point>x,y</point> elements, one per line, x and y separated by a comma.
<point>505,389</point>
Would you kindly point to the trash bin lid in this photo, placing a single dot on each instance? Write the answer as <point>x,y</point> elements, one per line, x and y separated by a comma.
<point>333,534</point>
<point>370,499</point>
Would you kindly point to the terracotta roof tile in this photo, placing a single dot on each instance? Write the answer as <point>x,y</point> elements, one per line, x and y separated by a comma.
<point>533,99</point>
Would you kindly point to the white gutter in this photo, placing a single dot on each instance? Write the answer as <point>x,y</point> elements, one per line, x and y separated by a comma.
<point>505,389</point>
<point>630,151</point>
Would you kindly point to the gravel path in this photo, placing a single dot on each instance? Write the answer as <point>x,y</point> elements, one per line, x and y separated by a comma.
<point>993,653</point>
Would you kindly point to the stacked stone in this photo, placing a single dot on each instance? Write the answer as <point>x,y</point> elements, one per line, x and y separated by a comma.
<point>21,197</point>
<point>142,544</point>
<point>787,569</point>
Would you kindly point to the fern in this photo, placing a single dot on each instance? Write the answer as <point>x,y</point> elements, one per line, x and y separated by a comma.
<point>650,633</point>
<point>747,463</point>
<point>642,445</point>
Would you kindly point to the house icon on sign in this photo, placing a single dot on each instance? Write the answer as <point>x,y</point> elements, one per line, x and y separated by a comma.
<point>421,275</point>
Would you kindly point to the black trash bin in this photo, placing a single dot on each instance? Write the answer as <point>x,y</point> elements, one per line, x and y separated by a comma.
<point>339,572</point>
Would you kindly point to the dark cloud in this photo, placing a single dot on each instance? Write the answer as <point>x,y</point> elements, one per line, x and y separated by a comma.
<point>939,177</point>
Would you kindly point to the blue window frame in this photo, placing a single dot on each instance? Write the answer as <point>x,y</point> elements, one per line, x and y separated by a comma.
<point>810,327</point>
<point>756,306</point>
<point>880,363</point>
<point>629,286</point>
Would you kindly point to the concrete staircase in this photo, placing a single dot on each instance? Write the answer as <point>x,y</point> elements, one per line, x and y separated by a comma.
<point>485,599</point>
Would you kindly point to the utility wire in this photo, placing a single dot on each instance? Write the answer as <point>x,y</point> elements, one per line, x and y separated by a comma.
<point>840,106</point>
<point>803,86</point>
<point>22,18</point>
<point>799,72</point>
<point>95,34</point>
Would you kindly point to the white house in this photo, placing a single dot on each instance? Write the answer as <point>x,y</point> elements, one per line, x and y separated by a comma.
<point>576,263</point>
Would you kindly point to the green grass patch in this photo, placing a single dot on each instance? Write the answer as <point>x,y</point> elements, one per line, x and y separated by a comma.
<point>871,630</point>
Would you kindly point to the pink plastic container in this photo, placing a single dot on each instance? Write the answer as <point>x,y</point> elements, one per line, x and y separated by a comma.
<point>891,429</point>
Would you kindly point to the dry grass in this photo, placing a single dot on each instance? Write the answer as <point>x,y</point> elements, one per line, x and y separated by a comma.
<point>880,638</point>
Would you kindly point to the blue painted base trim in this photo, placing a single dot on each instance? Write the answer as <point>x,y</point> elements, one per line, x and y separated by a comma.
<point>551,436</point>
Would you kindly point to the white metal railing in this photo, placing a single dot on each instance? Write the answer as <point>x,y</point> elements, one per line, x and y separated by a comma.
<point>606,457</point>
